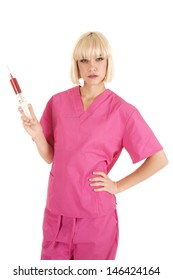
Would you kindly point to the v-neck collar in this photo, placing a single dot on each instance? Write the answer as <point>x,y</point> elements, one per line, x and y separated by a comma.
<point>91,108</point>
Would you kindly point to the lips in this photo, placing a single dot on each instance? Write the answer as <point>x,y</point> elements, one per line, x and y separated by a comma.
<point>92,76</point>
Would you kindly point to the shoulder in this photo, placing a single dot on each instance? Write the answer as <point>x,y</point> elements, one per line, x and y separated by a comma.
<point>61,97</point>
<point>120,105</point>
<point>65,94</point>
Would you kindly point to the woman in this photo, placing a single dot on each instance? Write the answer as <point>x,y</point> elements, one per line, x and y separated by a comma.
<point>82,133</point>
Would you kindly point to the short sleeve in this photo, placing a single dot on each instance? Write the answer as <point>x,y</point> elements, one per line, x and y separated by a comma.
<point>46,122</point>
<point>139,140</point>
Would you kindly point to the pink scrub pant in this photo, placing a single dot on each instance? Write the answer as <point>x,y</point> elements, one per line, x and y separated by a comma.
<point>66,238</point>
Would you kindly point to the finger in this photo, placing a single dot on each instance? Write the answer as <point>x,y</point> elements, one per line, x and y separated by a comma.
<point>21,111</point>
<point>24,118</point>
<point>100,173</point>
<point>98,184</point>
<point>97,179</point>
<point>100,190</point>
<point>26,123</point>
<point>32,112</point>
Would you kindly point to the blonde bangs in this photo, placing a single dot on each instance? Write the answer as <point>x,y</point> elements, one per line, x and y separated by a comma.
<point>91,45</point>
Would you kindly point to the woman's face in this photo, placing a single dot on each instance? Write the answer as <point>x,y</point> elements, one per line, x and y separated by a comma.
<point>92,71</point>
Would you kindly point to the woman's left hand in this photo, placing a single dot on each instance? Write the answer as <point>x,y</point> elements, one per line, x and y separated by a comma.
<point>103,181</point>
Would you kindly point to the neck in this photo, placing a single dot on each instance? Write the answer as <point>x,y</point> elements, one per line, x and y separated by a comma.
<point>89,92</point>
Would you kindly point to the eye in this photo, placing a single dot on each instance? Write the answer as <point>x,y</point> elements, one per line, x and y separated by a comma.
<point>100,58</point>
<point>84,60</point>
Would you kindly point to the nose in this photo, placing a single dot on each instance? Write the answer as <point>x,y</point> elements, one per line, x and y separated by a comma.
<point>92,65</point>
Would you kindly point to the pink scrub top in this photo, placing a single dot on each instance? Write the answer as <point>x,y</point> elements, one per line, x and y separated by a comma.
<point>87,141</point>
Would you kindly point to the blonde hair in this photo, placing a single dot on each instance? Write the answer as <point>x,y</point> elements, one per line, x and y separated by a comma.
<point>91,44</point>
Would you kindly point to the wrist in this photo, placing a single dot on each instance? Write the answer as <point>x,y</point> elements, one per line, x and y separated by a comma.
<point>38,136</point>
<point>115,187</point>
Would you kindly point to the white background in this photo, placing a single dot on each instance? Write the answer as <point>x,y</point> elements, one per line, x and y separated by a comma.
<point>36,41</point>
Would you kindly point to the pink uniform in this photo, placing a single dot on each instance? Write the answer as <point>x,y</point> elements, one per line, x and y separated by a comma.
<point>87,141</point>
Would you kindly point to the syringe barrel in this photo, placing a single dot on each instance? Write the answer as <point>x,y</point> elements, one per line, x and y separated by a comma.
<point>15,85</point>
<point>23,104</point>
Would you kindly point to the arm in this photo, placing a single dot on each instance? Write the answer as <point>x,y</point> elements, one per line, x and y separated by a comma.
<point>44,148</point>
<point>34,129</point>
<point>148,168</point>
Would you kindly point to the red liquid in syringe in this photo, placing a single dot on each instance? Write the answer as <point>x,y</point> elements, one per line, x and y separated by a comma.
<point>20,96</point>
<point>15,84</point>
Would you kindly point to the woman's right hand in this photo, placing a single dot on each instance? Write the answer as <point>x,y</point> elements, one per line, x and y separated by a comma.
<point>31,125</point>
<point>34,129</point>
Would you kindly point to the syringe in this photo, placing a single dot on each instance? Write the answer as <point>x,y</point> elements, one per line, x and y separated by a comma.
<point>20,95</point>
